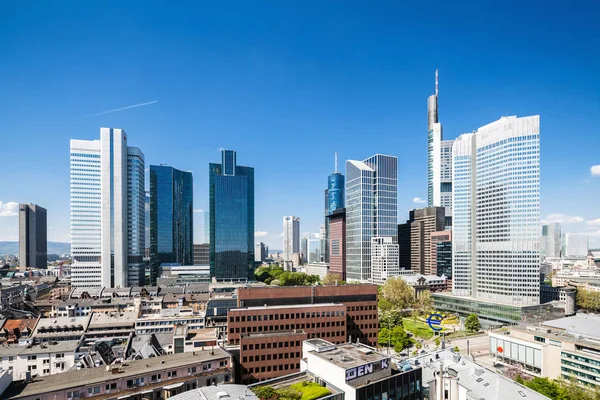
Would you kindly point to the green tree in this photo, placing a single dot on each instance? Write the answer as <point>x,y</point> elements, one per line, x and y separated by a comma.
<point>456,349</point>
<point>384,305</point>
<point>265,392</point>
<point>390,319</point>
<point>400,295</point>
<point>395,337</point>
<point>332,279</point>
<point>472,323</point>
<point>547,387</point>
<point>424,302</point>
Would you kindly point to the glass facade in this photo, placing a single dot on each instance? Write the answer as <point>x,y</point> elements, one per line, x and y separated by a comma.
<point>231,219</point>
<point>371,210</point>
<point>402,386</point>
<point>171,216</point>
<point>496,212</point>
<point>444,259</point>
<point>335,192</point>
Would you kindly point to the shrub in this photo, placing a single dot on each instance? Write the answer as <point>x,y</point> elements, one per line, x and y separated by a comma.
<point>310,390</point>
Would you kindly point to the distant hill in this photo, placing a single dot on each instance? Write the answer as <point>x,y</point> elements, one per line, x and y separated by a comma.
<point>53,248</point>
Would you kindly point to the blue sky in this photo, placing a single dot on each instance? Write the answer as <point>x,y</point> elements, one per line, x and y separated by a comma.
<point>287,84</point>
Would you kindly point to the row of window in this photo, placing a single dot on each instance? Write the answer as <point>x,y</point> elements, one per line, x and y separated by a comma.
<point>269,368</point>
<point>269,357</point>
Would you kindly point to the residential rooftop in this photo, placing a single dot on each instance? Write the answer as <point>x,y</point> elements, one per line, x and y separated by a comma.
<point>92,376</point>
<point>111,319</point>
<point>43,348</point>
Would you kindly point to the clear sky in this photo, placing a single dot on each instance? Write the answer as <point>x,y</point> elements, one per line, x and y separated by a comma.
<point>288,83</point>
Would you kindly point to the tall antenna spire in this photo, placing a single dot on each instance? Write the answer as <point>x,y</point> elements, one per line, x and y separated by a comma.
<point>336,163</point>
<point>436,82</point>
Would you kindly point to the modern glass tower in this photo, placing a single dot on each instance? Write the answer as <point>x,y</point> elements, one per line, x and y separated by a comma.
<point>291,237</point>
<point>33,244</point>
<point>496,230</point>
<point>439,160</point>
<point>171,216</point>
<point>371,210</point>
<point>107,211</point>
<point>231,190</point>
<point>334,200</point>
<point>551,241</point>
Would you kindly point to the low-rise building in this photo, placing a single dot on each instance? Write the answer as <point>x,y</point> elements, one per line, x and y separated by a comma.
<point>449,376</point>
<point>565,294</point>
<point>116,327</point>
<point>60,329</point>
<point>566,347</point>
<point>38,359</point>
<point>14,330</point>
<point>148,379</point>
<point>166,321</point>
<point>238,392</point>
<point>420,282</point>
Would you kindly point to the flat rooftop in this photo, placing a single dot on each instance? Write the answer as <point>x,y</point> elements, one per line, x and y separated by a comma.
<point>66,346</point>
<point>220,392</point>
<point>579,324</point>
<point>290,306</point>
<point>92,376</point>
<point>348,355</point>
<point>123,318</point>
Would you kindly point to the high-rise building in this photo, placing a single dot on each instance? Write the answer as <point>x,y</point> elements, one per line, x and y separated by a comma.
<point>171,216</point>
<point>384,259</point>
<point>206,220</point>
<point>551,241</point>
<point>404,244</point>
<point>371,210</point>
<point>313,250</point>
<point>439,160</point>
<point>304,248</point>
<point>260,252</point>
<point>337,242</point>
<point>33,243</point>
<point>201,254</point>
<point>107,211</point>
<point>496,221</point>
<point>437,238</point>
<point>231,189</point>
<point>576,245</point>
<point>323,242</point>
<point>425,221</point>
<point>291,237</point>
<point>334,200</point>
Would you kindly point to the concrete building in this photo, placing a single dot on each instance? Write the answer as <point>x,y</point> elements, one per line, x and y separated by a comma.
<point>425,222</point>
<point>439,160</point>
<point>440,252</point>
<point>371,210</point>
<point>202,254</point>
<point>291,237</point>
<point>239,392</point>
<point>576,245</point>
<point>148,379</point>
<point>38,359</point>
<point>260,252</point>
<point>564,294</point>
<point>321,269</point>
<point>450,376</point>
<point>567,347</point>
<point>304,248</point>
<point>360,302</point>
<point>551,241</point>
<point>337,242</point>
<point>384,259</point>
<point>231,189</point>
<point>497,212</point>
<point>107,211</point>
<point>270,337</point>
<point>420,282</point>
<point>33,231</point>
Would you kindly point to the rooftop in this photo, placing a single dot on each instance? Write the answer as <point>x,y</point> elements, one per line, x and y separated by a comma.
<point>346,355</point>
<point>222,392</point>
<point>100,319</point>
<point>43,348</point>
<point>91,376</point>
<point>290,306</point>
<point>579,324</point>
<point>479,382</point>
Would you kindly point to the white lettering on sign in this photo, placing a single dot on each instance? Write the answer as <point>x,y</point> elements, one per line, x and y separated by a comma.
<point>366,369</point>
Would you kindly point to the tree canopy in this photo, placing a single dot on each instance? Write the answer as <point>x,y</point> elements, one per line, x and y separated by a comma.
<point>398,293</point>
<point>275,275</point>
<point>396,337</point>
<point>588,300</point>
<point>472,323</point>
<point>333,279</point>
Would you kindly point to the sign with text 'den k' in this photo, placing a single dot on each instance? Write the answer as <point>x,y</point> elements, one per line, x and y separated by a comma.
<point>367,369</point>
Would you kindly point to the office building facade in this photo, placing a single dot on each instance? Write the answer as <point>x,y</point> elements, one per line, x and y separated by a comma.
<point>384,259</point>
<point>442,238</point>
<point>334,200</point>
<point>404,245</point>
<point>107,211</point>
<point>371,210</point>
<point>260,252</point>
<point>337,243</point>
<point>425,222</point>
<point>304,248</point>
<point>201,254</point>
<point>171,216</point>
<point>576,245</point>
<point>313,250</point>
<point>291,237</point>
<point>551,241</point>
<point>33,231</point>
<point>496,222</point>
<point>231,191</point>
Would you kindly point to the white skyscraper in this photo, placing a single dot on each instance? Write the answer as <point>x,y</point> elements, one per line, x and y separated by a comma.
<point>384,259</point>
<point>496,200</point>
<point>107,211</point>
<point>371,210</point>
<point>291,237</point>
<point>551,241</point>
<point>439,160</point>
<point>576,245</point>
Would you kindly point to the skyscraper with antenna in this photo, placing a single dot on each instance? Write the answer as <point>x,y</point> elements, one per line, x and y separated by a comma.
<point>439,159</point>
<point>334,199</point>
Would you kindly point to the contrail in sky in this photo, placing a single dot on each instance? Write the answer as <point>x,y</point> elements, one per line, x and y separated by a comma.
<point>121,109</point>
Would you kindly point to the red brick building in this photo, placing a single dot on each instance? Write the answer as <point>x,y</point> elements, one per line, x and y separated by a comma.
<point>337,243</point>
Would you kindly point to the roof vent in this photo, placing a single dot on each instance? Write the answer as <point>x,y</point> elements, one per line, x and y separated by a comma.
<point>221,395</point>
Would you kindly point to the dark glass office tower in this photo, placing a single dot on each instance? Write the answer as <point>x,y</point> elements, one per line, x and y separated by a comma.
<point>32,237</point>
<point>231,190</point>
<point>171,216</point>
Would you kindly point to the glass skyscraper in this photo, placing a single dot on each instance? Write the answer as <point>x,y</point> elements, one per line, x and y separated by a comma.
<point>496,225</point>
<point>231,191</point>
<point>371,210</point>
<point>171,216</point>
<point>107,211</point>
